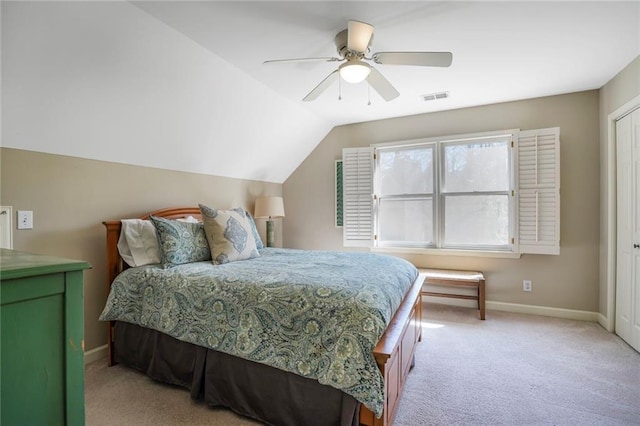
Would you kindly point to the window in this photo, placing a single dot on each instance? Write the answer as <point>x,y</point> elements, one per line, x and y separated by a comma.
<point>475,193</point>
<point>445,194</point>
<point>458,193</point>
<point>404,189</point>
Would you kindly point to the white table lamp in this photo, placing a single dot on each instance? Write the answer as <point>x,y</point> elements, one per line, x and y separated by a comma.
<point>269,208</point>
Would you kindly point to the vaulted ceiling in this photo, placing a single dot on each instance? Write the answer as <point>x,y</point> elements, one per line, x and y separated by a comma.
<point>502,50</point>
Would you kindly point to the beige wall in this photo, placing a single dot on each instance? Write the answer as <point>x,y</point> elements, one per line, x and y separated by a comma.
<point>70,197</point>
<point>568,281</point>
<point>624,87</point>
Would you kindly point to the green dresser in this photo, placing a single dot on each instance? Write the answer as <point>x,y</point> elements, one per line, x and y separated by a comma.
<point>42,346</point>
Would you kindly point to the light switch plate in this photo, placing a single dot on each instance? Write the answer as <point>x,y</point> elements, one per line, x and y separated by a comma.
<point>25,219</point>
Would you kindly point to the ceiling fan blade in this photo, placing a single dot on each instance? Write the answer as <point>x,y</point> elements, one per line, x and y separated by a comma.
<point>425,59</point>
<point>359,36</point>
<point>382,85</point>
<point>322,59</point>
<point>324,84</point>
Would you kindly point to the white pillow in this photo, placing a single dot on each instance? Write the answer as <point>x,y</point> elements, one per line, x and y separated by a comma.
<point>189,219</point>
<point>138,244</point>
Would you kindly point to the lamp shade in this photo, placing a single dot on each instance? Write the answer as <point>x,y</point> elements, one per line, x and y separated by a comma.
<point>269,207</point>
<point>354,71</point>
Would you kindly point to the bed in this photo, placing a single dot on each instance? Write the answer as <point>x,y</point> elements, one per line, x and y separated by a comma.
<point>287,385</point>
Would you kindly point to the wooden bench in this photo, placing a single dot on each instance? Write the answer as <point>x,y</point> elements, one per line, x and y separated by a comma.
<point>446,277</point>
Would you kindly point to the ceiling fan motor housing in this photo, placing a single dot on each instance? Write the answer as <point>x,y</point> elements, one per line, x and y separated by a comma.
<point>340,41</point>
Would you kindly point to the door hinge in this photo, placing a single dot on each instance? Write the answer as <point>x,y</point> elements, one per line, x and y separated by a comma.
<point>375,237</point>
<point>513,193</point>
<point>512,144</point>
<point>513,241</point>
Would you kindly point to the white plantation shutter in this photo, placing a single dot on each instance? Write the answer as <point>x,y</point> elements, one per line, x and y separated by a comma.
<point>357,192</point>
<point>539,191</point>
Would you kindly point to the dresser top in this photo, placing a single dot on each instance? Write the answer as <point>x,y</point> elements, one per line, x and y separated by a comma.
<point>18,264</point>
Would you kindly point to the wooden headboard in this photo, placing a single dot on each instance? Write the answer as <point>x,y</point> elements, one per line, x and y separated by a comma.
<point>115,264</point>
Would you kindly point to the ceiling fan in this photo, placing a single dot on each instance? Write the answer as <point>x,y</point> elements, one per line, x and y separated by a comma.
<point>353,45</point>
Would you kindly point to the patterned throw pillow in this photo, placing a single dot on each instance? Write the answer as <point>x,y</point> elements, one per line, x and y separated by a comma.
<point>181,242</point>
<point>229,234</point>
<point>254,229</point>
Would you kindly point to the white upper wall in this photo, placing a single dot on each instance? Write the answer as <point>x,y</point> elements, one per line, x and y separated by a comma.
<point>106,81</point>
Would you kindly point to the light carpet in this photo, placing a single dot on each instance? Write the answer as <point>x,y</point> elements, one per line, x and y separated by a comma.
<point>511,369</point>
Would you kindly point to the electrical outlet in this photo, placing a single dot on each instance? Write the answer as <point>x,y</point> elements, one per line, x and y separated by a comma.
<point>526,285</point>
<point>25,219</point>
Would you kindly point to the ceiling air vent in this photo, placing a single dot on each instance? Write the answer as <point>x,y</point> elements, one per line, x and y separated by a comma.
<point>435,96</point>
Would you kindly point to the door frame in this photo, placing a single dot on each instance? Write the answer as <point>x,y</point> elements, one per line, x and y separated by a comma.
<point>608,321</point>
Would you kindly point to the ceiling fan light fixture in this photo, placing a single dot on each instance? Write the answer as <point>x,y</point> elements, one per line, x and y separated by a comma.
<point>354,71</point>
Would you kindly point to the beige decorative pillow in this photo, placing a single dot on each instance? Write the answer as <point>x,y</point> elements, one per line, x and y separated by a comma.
<point>229,235</point>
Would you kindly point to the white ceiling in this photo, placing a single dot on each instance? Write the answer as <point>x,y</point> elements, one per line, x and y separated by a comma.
<point>502,51</point>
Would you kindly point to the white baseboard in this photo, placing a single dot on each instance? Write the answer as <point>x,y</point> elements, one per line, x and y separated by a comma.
<point>95,354</point>
<point>523,309</point>
<point>605,323</point>
<point>543,310</point>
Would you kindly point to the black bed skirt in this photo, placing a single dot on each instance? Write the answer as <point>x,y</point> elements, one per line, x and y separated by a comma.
<point>258,391</point>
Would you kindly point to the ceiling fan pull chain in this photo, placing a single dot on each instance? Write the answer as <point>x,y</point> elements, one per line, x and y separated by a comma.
<point>339,89</point>
<point>369,94</point>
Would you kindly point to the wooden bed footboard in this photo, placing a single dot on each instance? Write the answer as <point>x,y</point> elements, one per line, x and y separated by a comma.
<point>394,353</point>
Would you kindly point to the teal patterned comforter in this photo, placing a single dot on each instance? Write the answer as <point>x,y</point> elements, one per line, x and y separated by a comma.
<point>318,314</point>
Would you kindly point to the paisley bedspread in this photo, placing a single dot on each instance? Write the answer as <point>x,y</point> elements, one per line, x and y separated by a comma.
<point>318,314</point>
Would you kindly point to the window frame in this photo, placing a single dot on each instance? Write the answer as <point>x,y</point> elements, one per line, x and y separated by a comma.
<point>439,196</point>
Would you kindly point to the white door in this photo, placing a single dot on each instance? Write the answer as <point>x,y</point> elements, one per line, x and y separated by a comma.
<point>628,229</point>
